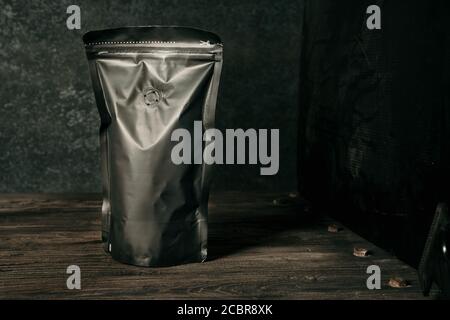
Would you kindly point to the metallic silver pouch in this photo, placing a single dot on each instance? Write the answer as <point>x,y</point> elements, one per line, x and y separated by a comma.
<point>149,81</point>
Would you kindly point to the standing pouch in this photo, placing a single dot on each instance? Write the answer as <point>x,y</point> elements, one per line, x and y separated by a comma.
<point>148,82</point>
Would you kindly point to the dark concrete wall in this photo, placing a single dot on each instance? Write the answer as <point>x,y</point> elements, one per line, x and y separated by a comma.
<point>48,119</point>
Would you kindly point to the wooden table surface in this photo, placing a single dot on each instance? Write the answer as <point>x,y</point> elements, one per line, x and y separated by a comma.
<point>257,250</point>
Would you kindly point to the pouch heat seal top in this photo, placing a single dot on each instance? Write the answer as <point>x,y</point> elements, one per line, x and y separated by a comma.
<point>148,82</point>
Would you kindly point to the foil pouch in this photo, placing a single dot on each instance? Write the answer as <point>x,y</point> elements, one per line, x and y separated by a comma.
<point>148,82</point>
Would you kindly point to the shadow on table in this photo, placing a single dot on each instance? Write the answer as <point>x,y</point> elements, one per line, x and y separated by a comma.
<point>234,227</point>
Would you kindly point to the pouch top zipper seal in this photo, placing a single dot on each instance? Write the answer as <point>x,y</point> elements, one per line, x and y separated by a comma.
<point>103,46</point>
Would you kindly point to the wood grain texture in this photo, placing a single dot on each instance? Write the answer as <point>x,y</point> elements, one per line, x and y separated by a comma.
<point>257,251</point>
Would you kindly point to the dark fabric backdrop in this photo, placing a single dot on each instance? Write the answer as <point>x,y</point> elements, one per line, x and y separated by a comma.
<point>374,116</point>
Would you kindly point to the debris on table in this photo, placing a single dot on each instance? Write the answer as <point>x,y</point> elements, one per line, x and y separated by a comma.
<point>311,278</point>
<point>398,283</point>
<point>293,195</point>
<point>293,199</point>
<point>282,202</point>
<point>361,252</point>
<point>334,228</point>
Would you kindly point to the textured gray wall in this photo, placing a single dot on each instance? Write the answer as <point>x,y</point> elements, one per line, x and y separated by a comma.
<point>48,119</point>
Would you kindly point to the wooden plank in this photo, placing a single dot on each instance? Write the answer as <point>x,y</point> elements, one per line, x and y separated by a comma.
<point>257,251</point>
